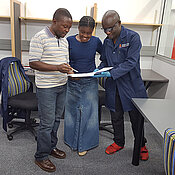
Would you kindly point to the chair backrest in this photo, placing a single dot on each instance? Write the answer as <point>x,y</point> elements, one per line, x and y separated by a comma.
<point>12,82</point>
<point>16,80</point>
<point>102,81</point>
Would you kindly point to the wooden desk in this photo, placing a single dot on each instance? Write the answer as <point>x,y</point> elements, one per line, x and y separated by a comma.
<point>160,112</point>
<point>149,76</point>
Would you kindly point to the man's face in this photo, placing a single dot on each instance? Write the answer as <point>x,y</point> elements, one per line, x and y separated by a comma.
<point>85,33</point>
<point>111,27</point>
<point>61,27</point>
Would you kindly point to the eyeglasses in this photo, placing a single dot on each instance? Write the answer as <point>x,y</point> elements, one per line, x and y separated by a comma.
<point>110,29</point>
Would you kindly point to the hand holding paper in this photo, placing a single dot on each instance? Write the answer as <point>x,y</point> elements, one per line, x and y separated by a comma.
<point>102,74</point>
<point>96,70</point>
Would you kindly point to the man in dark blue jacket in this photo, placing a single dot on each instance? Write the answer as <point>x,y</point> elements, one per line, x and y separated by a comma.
<point>122,51</point>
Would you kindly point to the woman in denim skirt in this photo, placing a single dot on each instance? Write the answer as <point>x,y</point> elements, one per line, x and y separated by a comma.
<point>81,127</point>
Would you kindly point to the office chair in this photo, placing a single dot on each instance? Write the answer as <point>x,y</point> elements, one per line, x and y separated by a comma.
<point>101,103</point>
<point>17,100</point>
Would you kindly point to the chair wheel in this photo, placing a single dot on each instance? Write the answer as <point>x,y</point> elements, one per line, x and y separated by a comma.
<point>10,137</point>
<point>10,125</point>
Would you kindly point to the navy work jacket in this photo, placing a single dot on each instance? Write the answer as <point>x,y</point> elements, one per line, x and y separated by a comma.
<point>4,66</point>
<point>124,57</point>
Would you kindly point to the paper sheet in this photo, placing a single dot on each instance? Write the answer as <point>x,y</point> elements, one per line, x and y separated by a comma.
<point>90,74</point>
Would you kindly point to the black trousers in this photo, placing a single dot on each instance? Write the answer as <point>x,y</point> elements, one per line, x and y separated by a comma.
<point>117,119</point>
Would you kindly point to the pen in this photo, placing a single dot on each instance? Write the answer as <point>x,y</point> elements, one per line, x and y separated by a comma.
<point>74,70</point>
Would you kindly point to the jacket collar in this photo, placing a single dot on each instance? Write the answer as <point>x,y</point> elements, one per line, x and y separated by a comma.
<point>123,34</point>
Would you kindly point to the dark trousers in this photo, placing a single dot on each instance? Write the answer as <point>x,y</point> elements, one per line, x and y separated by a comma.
<point>117,119</point>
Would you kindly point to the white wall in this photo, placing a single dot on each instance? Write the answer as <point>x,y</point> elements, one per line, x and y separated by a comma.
<point>142,11</point>
<point>5,30</point>
<point>146,62</point>
<point>4,7</point>
<point>5,54</point>
<point>168,71</point>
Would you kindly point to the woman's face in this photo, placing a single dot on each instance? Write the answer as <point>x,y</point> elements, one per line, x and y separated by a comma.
<point>85,33</point>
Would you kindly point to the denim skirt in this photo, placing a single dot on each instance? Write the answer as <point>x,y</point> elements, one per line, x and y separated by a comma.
<point>81,128</point>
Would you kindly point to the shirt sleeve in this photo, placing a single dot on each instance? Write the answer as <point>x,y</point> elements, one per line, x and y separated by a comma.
<point>36,49</point>
<point>102,57</point>
<point>99,46</point>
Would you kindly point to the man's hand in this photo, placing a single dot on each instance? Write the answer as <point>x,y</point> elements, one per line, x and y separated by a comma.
<point>64,68</point>
<point>95,70</point>
<point>103,74</point>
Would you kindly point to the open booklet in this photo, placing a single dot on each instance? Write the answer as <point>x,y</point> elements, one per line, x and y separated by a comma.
<point>90,74</point>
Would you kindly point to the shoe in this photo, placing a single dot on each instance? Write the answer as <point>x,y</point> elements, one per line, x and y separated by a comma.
<point>111,149</point>
<point>46,165</point>
<point>58,153</point>
<point>144,153</point>
<point>82,153</point>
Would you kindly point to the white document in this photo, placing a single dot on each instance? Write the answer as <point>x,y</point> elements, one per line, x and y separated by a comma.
<point>90,74</point>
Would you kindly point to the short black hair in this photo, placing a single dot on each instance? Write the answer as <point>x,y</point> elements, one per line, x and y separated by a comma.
<point>111,13</point>
<point>87,21</point>
<point>61,12</point>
